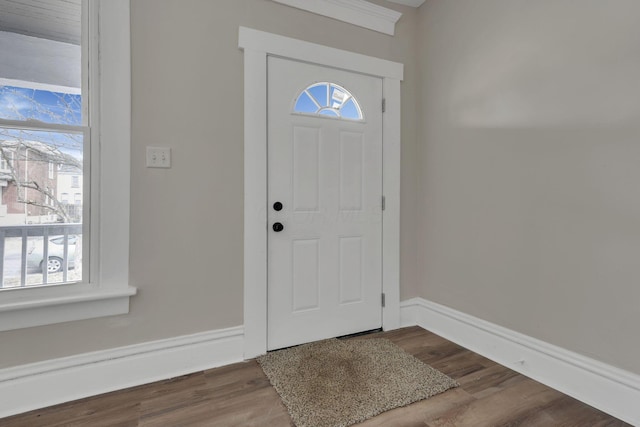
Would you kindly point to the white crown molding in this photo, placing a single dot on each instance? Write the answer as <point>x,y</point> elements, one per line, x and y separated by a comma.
<point>605,387</point>
<point>39,385</point>
<point>412,3</point>
<point>356,12</point>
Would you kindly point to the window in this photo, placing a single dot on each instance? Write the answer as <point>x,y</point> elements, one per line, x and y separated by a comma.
<point>6,159</point>
<point>64,198</point>
<point>77,199</point>
<point>45,119</point>
<point>75,181</point>
<point>44,122</point>
<point>329,100</point>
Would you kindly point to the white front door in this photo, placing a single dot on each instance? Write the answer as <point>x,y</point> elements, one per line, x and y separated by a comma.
<point>324,202</point>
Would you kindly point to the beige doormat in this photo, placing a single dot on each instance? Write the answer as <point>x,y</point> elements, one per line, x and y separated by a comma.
<point>336,383</point>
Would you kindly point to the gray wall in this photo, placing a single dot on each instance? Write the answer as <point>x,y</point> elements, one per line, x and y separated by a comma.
<point>530,186</point>
<point>186,222</point>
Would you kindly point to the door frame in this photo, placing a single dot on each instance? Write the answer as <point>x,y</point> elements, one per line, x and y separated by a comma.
<point>257,46</point>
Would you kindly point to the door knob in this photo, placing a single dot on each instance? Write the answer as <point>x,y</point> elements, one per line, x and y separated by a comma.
<point>277,206</point>
<point>278,227</point>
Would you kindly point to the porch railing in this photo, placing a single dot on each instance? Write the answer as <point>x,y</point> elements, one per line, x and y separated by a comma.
<point>27,234</point>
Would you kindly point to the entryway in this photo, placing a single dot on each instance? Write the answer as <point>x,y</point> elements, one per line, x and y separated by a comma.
<point>335,160</point>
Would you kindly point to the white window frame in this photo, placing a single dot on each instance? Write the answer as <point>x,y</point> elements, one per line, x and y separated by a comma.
<point>106,292</point>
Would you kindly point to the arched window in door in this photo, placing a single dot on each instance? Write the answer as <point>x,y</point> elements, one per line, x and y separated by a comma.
<point>329,100</point>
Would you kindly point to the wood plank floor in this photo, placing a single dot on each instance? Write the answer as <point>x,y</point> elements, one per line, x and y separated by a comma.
<point>240,395</point>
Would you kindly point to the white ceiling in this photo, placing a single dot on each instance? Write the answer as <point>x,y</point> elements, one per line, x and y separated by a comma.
<point>57,20</point>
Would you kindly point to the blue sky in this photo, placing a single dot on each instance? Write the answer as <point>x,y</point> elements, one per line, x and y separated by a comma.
<point>50,107</point>
<point>322,93</point>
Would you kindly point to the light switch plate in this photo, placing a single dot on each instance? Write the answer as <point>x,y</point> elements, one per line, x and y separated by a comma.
<point>158,157</point>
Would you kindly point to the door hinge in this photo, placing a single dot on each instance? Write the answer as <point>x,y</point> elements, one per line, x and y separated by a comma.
<point>384,105</point>
<point>384,203</point>
<point>383,302</point>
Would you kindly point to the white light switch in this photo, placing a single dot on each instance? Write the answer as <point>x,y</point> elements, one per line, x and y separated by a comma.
<point>158,157</point>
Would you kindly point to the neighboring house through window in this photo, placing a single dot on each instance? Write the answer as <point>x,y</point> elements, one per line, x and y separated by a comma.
<point>6,159</point>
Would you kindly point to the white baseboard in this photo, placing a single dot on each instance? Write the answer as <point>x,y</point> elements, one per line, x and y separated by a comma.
<point>38,385</point>
<point>612,390</point>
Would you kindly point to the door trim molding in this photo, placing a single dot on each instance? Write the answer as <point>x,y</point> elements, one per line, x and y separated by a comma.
<point>257,45</point>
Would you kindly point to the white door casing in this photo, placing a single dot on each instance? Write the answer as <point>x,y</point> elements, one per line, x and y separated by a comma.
<point>325,266</point>
<point>257,45</point>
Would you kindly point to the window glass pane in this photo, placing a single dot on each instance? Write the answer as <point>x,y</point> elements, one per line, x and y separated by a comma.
<point>304,104</point>
<point>319,92</point>
<point>350,111</point>
<point>41,65</point>
<point>328,99</point>
<point>50,107</point>
<point>338,97</point>
<point>36,179</point>
<point>41,85</point>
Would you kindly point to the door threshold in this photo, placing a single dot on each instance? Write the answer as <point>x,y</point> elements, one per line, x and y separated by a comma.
<point>342,337</point>
<point>358,334</point>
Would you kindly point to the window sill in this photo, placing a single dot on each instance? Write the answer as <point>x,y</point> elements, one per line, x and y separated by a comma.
<point>45,310</point>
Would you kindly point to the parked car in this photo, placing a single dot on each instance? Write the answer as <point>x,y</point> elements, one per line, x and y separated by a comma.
<point>35,254</point>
